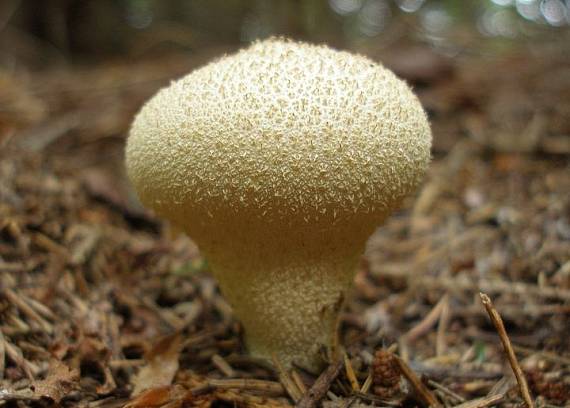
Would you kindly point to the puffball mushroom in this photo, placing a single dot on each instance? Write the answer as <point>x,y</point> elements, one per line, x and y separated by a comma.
<point>280,161</point>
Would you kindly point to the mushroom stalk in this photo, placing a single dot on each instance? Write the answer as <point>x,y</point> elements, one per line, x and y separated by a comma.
<point>289,294</point>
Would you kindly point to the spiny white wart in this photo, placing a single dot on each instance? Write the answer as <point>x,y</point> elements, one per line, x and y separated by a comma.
<point>280,161</point>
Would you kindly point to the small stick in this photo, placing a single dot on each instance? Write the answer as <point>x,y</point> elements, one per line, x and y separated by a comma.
<point>501,387</point>
<point>298,381</point>
<point>447,391</point>
<point>348,402</point>
<point>108,402</point>
<point>427,322</point>
<point>15,354</point>
<point>44,242</point>
<point>423,392</point>
<point>202,336</point>
<point>481,402</point>
<point>332,396</point>
<point>40,308</point>
<point>467,284</point>
<point>286,381</point>
<point>2,355</point>
<point>17,323</point>
<point>444,318</point>
<point>548,355</point>
<point>321,386</point>
<point>367,384</point>
<point>233,396</point>
<point>350,374</point>
<point>270,387</point>
<point>27,310</point>
<point>379,401</point>
<point>126,363</point>
<point>222,365</point>
<point>498,322</point>
<point>12,267</point>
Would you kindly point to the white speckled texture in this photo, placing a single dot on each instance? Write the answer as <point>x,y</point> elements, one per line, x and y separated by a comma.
<point>280,161</point>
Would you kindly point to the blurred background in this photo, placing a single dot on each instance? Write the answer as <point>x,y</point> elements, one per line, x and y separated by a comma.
<point>71,31</point>
<point>80,69</point>
<point>143,43</point>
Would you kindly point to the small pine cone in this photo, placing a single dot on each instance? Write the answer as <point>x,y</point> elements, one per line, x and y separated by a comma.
<point>386,374</point>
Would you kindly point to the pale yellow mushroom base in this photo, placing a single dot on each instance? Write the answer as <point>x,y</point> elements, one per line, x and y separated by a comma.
<point>285,280</point>
<point>288,310</point>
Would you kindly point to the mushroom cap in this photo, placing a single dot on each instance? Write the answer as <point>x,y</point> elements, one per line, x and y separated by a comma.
<point>285,134</point>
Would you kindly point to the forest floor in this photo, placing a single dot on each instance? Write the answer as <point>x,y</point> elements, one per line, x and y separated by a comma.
<point>103,305</point>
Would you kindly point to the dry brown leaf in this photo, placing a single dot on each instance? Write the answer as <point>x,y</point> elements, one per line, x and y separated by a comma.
<point>162,364</point>
<point>159,396</point>
<point>60,381</point>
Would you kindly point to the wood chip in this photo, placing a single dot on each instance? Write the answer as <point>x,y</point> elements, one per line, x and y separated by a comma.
<point>481,402</point>
<point>424,393</point>
<point>223,365</point>
<point>498,323</point>
<point>319,389</point>
<point>287,381</point>
<point>350,373</point>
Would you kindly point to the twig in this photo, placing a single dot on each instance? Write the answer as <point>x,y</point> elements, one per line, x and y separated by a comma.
<point>466,284</point>
<point>236,399</point>
<point>12,266</point>
<point>498,323</point>
<point>15,354</point>
<point>442,372</point>
<point>234,395</point>
<point>427,322</point>
<point>423,392</point>
<point>286,381</point>
<point>17,324</point>
<point>27,310</point>
<point>269,387</point>
<point>25,395</point>
<point>40,308</point>
<point>350,374</point>
<point>298,381</point>
<point>2,355</point>
<point>502,386</point>
<point>126,363</point>
<point>166,315</point>
<point>482,402</point>
<point>321,386</point>
<point>367,383</point>
<point>109,402</point>
<point>548,355</point>
<point>45,242</point>
<point>222,365</point>
<point>202,336</point>
<point>347,402</point>
<point>444,318</point>
<point>378,400</point>
<point>332,396</point>
<point>447,391</point>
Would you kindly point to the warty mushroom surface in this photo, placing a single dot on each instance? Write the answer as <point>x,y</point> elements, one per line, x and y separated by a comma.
<point>280,161</point>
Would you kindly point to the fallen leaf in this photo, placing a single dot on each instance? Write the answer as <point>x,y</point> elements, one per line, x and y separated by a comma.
<point>158,397</point>
<point>162,364</point>
<point>59,382</point>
